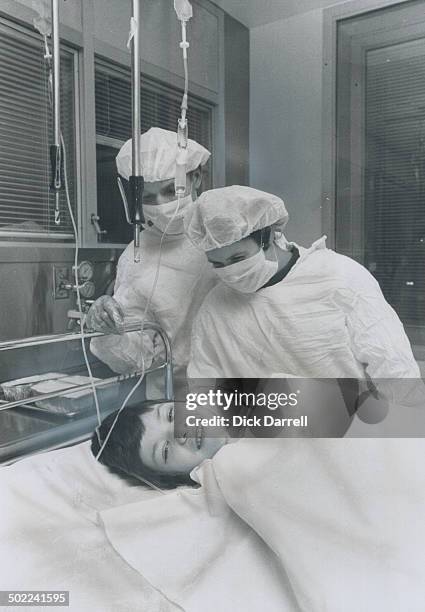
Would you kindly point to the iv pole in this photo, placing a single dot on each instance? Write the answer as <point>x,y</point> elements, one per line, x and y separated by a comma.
<point>134,209</point>
<point>136,180</point>
<point>55,148</point>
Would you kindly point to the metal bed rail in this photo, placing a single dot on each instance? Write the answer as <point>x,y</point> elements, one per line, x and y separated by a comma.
<point>55,338</point>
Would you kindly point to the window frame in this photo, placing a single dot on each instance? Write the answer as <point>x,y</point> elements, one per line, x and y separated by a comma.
<point>332,17</point>
<point>24,32</point>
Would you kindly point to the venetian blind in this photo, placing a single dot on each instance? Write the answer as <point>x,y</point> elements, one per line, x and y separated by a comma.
<point>160,107</point>
<point>395,175</point>
<point>26,204</point>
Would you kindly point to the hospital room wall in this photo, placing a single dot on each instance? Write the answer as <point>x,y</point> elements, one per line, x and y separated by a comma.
<point>286,118</point>
<point>236,91</point>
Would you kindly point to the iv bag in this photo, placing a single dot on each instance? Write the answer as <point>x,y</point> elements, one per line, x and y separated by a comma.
<point>183,9</point>
<point>42,21</point>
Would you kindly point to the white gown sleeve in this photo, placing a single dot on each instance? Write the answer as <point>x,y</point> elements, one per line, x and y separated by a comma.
<point>127,353</point>
<point>378,339</point>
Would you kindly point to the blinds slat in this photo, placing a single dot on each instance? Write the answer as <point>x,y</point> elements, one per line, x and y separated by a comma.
<point>8,177</point>
<point>25,131</point>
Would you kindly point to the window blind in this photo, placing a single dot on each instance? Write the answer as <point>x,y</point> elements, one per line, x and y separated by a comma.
<point>26,204</point>
<point>160,107</point>
<point>395,175</point>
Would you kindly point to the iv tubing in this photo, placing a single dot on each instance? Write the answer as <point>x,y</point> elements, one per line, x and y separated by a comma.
<point>77,285</point>
<point>182,127</point>
<point>102,446</point>
<point>60,144</point>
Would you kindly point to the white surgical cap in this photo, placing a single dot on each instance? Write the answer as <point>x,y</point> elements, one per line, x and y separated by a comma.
<point>158,150</point>
<point>227,215</point>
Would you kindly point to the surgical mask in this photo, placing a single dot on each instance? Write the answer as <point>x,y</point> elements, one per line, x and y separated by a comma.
<point>249,275</point>
<point>164,216</point>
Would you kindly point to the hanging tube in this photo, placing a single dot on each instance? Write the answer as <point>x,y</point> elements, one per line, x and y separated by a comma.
<point>136,180</point>
<point>184,12</point>
<point>55,148</point>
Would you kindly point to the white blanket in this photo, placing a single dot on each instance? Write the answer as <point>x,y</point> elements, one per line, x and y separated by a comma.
<point>196,551</point>
<point>342,519</point>
<point>50,536</point>
<point>278,525</point>
<point>345,517</point>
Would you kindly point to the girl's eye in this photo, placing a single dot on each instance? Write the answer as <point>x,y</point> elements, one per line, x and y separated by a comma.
<point>165,451</point>
<point>171,414</point>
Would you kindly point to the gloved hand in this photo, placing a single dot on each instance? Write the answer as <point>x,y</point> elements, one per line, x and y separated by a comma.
<point>106,315</point>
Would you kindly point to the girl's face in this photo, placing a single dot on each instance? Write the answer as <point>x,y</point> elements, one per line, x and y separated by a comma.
<point>162,452</point>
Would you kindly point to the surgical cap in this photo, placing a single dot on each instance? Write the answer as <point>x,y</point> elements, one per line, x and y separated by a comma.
<point>227,215</point>
<point>158,150</point>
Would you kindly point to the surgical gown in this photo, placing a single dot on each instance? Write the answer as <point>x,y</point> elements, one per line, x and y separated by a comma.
<point>184,280</point>
<point>326,319</point>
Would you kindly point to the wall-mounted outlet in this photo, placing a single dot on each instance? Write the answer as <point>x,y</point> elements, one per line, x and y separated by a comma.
<point>61,275</point>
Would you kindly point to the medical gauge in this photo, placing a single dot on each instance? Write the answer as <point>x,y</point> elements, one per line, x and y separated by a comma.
<point>88,289</point>
<point>85,271</point>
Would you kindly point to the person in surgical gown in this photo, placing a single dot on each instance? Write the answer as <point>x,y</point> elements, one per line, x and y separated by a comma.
<point>283,310</point>
<point>184,276</point>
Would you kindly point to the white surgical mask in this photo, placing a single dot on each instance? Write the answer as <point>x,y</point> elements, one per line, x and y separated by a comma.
<point>160,215</point>
<point>249,275</point>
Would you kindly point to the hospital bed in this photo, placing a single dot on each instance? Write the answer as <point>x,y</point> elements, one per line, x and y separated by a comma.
<point>31,424</point>
<point>50,529</point>
<point>253,536</point>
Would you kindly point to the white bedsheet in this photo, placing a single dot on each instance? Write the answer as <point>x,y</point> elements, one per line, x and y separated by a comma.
<point>199,553</point>
<point>339,523</point>
<point>344,516</point>
<point>51,539</point>
<point>278,525</point>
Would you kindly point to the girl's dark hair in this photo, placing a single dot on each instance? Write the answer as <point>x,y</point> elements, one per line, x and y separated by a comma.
<point>262,237</point>
<point>121,454</point>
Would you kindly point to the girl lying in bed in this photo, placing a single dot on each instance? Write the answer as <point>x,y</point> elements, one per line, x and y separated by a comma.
<point>142,446</point>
